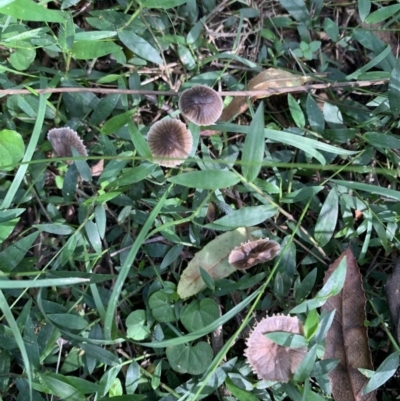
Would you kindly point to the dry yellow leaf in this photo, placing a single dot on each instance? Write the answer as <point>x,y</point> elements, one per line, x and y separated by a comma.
<point>272,78</point>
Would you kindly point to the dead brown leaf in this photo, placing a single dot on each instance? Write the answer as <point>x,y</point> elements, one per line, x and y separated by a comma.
<point>347,338</point>
<point>272,78</point>
<point>392,289</point>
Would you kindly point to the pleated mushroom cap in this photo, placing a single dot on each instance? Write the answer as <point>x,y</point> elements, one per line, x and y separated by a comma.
<point>170,142</point>
<point>269,360</point>
<point>252,253</point>
<point>201,105</point>
<point>62,139</point>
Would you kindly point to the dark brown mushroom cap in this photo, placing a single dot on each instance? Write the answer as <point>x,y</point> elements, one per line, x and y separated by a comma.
<point>253,252</point>
<point>269,360</point>
<point>201,105</point>
<point>62,139</point>
<point>170,142</point>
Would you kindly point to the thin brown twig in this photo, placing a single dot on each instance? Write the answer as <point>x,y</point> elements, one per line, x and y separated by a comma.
<point>265,92</point>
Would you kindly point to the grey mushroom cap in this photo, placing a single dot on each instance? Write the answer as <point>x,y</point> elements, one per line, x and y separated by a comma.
<point>201,105</point>
<point>62,139</point>
<point>170,142</point>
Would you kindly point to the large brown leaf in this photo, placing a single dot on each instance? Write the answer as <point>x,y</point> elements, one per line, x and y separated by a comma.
<point>347,338</point>
<point>272,78</point>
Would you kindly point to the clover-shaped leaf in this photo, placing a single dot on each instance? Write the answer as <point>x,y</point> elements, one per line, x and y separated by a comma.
<point>197,314</point>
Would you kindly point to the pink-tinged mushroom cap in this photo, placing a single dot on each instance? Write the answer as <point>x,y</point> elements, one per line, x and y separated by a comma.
<point>201,105</point>
<point>269,360</point>
<point>62,139</point>
<point>170,142</point>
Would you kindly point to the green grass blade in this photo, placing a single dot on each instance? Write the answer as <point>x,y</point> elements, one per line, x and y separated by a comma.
<point>18,338</point>
<point>112,306</point>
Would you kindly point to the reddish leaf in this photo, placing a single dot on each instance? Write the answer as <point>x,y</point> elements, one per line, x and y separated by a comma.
<point>347,338</point>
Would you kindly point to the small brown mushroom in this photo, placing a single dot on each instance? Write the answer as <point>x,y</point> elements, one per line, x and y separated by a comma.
<point>253,252</point>
<point>62,139</point>
<point>269,360</point>
<point>201,105</point>
<point>170,142</point>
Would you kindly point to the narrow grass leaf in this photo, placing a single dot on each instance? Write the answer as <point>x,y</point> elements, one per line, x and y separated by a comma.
<point>327,219</point>
<point>382,14</point>
<point>57,385</point>
<point>239,393</point>
<point>93,235</point>
<point>54,282</point>
<point>34,138</point>
<point>117,122</point>
<point>30,11</point>
<point>165,4</point>
<point>15,252</point>
<point>126,267</point>
<point>394,89</point>
<point>18,339</point>
<point>375,61</point>
<point>254,144</point>
<point>244,217</point>
<point>56,228</point>
<point>315,116</point>
<point>208,179</point>
<point>380,140</point>
<point>385,371</point>
<point>296,112</point>
<point>372,189</point>
<point>364,8</point>
<point>297,9</point>
<point>139,46</point>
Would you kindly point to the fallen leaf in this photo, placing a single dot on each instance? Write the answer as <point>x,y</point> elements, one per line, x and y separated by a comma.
<point>272,78</point>
<point>252,253</point>
<point>269,360</point>
<point>347,338</point>
<point>392,289</point>
<point>213,258</point>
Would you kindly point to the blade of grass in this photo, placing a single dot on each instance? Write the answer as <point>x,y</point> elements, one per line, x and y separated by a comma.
<point>29,151</point>
<point>18,339</point>
<point>112,306</point>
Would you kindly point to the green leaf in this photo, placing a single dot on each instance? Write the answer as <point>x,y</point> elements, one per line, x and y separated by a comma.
<point>372,189</point>
<point>382,141</point>
<point>364,8</point>
<point>332,287</point>
<point>286,339</point>
<point>375,61</point>
<point>28,10</point>
<point>244,217</point>
<point>301,194</point>
<point>102,355</point>
<point>59,229</point>
<point>315,116</point>
<point>57,385</point>
<point>11,148</point>
<point>140,47</point>
<point>164,4</point>
<point>385,371</point>
<point>382,14</point>
<point>296,112</point>
<point>199,314</point>
<point>117,122</point>
<point>207,179</point>
<point>88,49</point>
<point>394,90</point>
<point>239,393</point>
<point>15,252</point>
<point>68,321</point>
<point>93,235</point>
<point>23,56</point>
<point>306,365</point>
<point>297,9</point>
<point>162,306</point>
<point>327,219</point>
<point>254,145</point>
<point>66,33</point>
<point>190,359</point>
<point>331,29</point>
<point>136,325</point>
